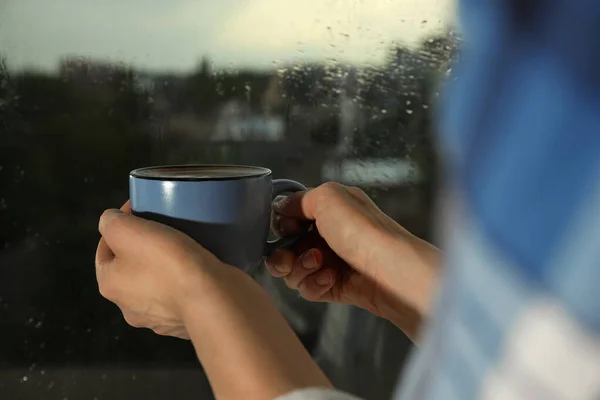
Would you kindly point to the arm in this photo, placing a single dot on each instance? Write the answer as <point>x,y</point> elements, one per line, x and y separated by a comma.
<point>246,347</point>
<point>372,262</point>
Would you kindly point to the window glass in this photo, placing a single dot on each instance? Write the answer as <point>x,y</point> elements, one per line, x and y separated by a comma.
<point>316,90</point>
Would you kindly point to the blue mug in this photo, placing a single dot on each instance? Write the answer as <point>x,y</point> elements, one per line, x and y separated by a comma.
<point>225,208</point>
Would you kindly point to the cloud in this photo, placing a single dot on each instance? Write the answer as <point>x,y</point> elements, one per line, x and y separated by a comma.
<point>174,34</point>
<point>357,30</point>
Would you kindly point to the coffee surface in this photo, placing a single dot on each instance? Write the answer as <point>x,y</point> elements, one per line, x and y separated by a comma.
<point>199,172</point>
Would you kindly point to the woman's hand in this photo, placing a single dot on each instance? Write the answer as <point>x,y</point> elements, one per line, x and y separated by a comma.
<point>163,280</point>
<point>357,255</point>
<point>151,271</point>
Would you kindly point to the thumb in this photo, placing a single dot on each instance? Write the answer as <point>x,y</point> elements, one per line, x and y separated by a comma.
<point>122,231</point>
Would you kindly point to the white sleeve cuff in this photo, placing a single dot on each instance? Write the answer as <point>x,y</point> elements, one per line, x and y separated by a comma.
<point>317,394</point>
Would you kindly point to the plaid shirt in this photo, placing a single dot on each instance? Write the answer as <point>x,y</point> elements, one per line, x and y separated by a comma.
<point>518,316</point>
<point>519,312</point>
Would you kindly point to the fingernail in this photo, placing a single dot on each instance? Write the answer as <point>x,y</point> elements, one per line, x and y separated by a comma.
<point>277,261</point>
<point>281,268</point>
<point>324,278</point>
<point>309,261</point>
<point>278,198</point>
<point>280,202</point>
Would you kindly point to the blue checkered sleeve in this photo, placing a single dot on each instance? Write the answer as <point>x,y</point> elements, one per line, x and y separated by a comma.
<point>518,316</point>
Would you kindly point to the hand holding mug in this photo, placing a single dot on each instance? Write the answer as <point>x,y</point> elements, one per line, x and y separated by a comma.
<point>164,279</point>
<point>190,224</point>
<point>151,271</point>
<point>356,255</point>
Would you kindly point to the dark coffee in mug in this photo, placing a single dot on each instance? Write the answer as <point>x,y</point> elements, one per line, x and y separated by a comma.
<point>198,172</point>
<point>225,208</point>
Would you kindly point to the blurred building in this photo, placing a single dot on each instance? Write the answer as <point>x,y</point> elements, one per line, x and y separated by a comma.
<point>237,121</point>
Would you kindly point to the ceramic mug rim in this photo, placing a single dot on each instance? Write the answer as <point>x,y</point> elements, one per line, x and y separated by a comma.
<point>254,172</point>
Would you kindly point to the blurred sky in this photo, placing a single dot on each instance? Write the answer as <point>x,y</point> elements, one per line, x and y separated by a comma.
<point>174,34</point>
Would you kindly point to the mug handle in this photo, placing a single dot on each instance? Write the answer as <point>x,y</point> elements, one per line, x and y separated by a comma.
<point>283,186</point>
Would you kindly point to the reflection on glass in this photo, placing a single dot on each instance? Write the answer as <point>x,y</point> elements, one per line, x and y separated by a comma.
<point>315,90</point>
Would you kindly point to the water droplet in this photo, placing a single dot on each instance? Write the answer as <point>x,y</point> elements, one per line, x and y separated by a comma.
<point>425,106</point>
<point>50,385</point>
<point>38,324</point>
<point>24,379</point>
<point>408,102</point>
<point>43,372</point>
<point>409,111</point>
<point>384,111</point>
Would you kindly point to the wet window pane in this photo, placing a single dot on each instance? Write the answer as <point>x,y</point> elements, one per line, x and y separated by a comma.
<point>316,90</point>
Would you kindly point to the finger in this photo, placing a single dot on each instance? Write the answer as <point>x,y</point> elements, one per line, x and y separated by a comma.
<point>126,208</point>
<point>311,240</point>
<point>280,263</point>
<point>104,255</point>
<point>307,264</point>
<point>123,231</point>
<point>305,205</point>
<point>315,287</point>
<point>284,226</point>
<point>292,206</point>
